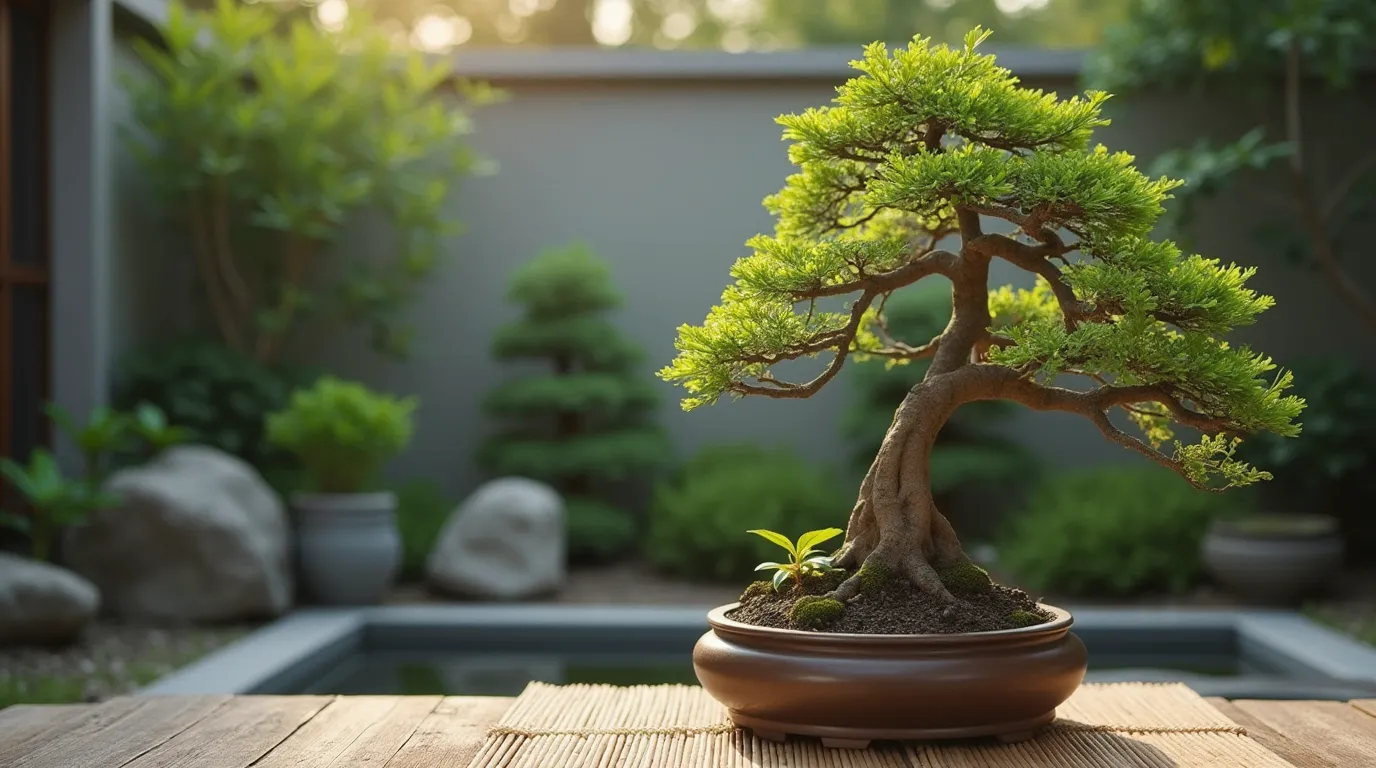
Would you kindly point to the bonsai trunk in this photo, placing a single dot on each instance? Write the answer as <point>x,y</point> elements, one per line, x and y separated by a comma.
<point>895,529</point>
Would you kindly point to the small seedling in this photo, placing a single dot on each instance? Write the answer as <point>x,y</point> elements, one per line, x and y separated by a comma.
<point>803,557</point>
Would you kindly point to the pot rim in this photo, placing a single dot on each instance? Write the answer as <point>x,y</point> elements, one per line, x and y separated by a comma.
<point>721,623</point>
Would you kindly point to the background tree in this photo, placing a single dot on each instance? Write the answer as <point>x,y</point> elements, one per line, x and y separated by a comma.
<point>1272,54</point>
<point>264,140</point>
<point>581,426</point>
<point>929,142</point>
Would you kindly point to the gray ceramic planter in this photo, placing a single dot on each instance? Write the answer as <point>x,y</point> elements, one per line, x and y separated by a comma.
<point>1274,560</point>
<point>348,547</point>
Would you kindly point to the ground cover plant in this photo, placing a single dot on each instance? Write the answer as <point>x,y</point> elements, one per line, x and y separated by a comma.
<point>930,143</point>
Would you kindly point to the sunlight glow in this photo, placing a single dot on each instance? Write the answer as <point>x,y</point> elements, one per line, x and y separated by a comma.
<point>436,33</point>
<point>735,12</point>
<point>332,14</point>
<point>523,8</point>
<point>940,5</point>
<point>735,40</point>
<point>611,21</point>
<point>679,25</point>
<point>1012,7</point>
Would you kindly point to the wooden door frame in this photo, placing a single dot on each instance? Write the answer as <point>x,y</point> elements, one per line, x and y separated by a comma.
<point>13,274</point>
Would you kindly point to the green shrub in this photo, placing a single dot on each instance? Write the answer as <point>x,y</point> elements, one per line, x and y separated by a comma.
<point>1112,532</point>
<point>422,510</point>
<point>342,433</point>
<point>700,516</point>
<point>220,396</point>
<point>585,423</point>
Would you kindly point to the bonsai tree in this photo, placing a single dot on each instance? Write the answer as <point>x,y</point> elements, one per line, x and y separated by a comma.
<point>928,143</point>
<point>581,426</point>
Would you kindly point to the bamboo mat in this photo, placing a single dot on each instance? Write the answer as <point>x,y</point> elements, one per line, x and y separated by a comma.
<point>1118,725</point>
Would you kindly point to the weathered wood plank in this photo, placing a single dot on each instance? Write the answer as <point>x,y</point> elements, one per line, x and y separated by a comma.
<point>117,731</point>
<point>353,730</point>
<point>1366,705</point>
<point>23,726</point>
<point>241,731</point>
<point>1295,753</point>
<point>317,743</point>
<point>453,733</point>
<point>1320,733</point>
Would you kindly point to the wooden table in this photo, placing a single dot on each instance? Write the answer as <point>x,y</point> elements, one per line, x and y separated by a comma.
<point>446,732</point>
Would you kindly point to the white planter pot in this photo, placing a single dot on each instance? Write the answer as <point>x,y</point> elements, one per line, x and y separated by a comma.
<point>348,547</point>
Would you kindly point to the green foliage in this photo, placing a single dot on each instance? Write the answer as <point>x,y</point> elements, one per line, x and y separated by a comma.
<point>814,612</point>
<point>928,134</point>
<point>111,435</point>
<point>267,138</point>
<point>221,396</point>
<point>597,531</point>
<point>1271,53</point>
<point>342,433</point>
<point>54,500</point>
<point>1112,532</point>
<point>967,452</point>
<point>422,510</point>
<point>584,425</point>
<point>698,515</point>
<point>804,558</point>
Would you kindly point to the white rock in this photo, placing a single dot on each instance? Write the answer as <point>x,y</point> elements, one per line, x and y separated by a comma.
<point>504,542</point>
<point>42,603</point>
<point>199,536</point>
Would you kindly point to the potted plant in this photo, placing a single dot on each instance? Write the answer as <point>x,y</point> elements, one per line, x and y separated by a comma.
<point>348,546</point>
<point>897,633</point>
<point>1274,559</point>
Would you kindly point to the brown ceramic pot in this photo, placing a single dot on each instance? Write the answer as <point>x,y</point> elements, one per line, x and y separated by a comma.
<point>849,688</point>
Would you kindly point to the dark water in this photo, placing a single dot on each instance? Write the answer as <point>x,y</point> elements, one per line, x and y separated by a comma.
<point>506,675</point>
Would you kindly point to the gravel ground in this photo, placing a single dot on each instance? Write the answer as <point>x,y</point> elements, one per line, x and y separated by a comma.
<point>111,660</point>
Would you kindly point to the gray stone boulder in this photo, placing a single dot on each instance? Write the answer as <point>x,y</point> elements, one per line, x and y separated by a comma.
<point>505,542</point>
<point>198,536</point>
<point>41,604</point>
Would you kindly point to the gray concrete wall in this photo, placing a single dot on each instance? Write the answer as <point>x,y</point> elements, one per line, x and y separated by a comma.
<point>663,175</point>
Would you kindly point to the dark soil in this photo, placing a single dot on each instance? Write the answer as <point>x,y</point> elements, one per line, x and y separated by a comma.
<point>895,609</point>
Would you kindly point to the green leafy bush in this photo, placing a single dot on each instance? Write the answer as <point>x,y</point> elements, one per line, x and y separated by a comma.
<point>700,515</point>
<point>422,510</point>
<point>582,426</point>
<point>265,137</point>
<point>1112,532</point>
<point>221,396</point>
<point>342,432</point>
<point>54,500</point>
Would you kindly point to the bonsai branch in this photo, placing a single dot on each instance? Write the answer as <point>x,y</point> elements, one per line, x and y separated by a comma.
<point>839,340</point>
<point>936,262</point>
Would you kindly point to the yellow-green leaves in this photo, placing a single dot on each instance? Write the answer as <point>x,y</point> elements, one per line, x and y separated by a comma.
<point>1097,193</point>
<point>803,557</point>
<point>970,94</point>
<point>740,339</point>
<point>925,182</point>
<point>1009,306</point>
<point>790,268</point>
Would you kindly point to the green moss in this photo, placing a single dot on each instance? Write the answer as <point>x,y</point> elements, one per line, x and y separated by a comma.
<point>874,577</point>
<point>965,579</point>
<point>757,589</point>
<point>1025,618</point>
<point>812,612</point>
